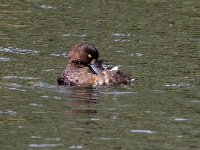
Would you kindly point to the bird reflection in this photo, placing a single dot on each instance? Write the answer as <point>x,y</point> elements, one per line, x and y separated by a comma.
<point>81,104</point>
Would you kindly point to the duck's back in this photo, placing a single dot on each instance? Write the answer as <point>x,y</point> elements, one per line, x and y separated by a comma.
<point>76,76</point>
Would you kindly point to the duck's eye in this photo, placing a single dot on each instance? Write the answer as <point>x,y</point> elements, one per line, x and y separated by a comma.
<point>89,55</point>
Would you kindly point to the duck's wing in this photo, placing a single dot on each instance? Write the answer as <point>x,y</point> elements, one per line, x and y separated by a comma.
<point>97,66</point>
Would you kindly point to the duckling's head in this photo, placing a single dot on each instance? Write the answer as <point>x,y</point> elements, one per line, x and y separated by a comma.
<point>82,53</point>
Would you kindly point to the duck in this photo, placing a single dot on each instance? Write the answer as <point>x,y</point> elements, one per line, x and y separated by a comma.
<point>84,68</point>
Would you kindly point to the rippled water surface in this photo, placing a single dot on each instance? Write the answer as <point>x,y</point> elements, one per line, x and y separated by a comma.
<point>156,41</point>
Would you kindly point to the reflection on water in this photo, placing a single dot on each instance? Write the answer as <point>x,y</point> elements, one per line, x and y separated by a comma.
<point>82,102</point>
<point>86,94</point>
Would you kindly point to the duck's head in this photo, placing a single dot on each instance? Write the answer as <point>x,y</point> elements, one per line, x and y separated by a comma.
<point>82,53</point>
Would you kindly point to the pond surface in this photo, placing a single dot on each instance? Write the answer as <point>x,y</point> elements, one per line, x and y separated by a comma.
<point>156,41</point>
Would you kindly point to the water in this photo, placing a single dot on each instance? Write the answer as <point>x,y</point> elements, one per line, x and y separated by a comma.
<point>157,42</point>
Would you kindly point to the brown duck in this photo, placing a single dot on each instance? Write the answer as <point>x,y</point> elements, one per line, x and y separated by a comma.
<point>85,69</point>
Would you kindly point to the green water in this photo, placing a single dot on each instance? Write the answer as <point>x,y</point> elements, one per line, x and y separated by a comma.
<point>156,41</point>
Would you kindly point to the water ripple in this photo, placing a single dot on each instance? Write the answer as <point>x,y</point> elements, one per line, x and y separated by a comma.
<point>95,119</point>
<point>104,138</point>
<point>48,70</point>
<point>14,85</point>
<point>74,35</point>
<point>195,101</point>
<point>76,147</point>
<point>8,112</point>
<point>47,7</point>
<point>181,119</point>
<point>136,54</point>
<point>53,139</point>
<point>60,55</point>
<point>22,78</point>
<point>122,34</point>
<point>44,145</point>
<point>56,97</point>
<point>35,105</point>
<point>53,97</point>
<point>143,131</point>
<point>44,96</point>
<point>121,40</point>
<point>44,85</point>
<point>17,50</point>
<point>22,90</point>
<point>178,85</point>
<point>3,59</point>
<point>118,93</point>
<point>36,137</point>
